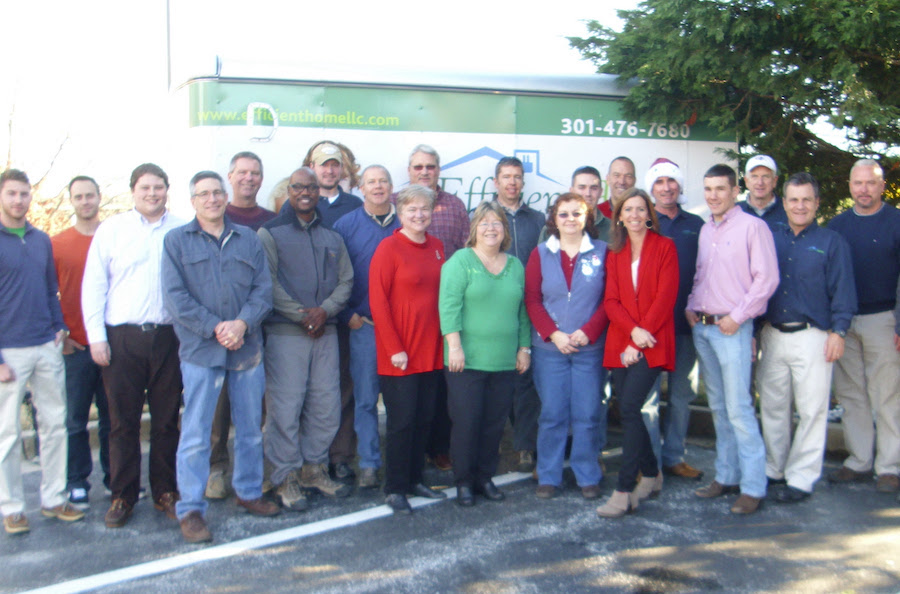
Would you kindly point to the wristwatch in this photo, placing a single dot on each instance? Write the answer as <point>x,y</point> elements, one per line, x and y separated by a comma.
<point>525,350</point>
<point>841,333</point>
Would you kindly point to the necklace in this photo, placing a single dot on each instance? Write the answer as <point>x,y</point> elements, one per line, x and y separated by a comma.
<point>493,265</point>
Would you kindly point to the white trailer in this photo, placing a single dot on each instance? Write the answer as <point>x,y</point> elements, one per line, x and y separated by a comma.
<point>554,124</point>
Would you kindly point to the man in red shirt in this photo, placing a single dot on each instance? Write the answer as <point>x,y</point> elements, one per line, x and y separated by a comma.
<point>84,383</point>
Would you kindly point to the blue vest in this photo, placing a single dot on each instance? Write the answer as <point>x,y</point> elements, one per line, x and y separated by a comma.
<point>572,309</point>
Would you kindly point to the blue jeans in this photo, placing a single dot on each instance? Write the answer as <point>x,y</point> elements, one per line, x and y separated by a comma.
<point>202,386</point>
<point>364,371</point>
<point>725,366</point>
<point>669,450</point>
<point>569,388</point>
<point>84,384</point>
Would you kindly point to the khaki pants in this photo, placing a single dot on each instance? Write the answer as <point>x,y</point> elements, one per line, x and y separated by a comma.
<point>792,369</point>
<point>867,382</point>
<point>41,366</point>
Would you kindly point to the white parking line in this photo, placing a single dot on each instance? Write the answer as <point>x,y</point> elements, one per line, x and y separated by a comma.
<point>239,547</point>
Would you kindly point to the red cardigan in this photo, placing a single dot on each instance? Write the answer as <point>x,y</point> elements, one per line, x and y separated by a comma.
<point>652,308</point>
<point>404,279</point>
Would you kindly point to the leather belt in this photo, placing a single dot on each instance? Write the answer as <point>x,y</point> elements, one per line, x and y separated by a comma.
<point>709,319</point>
<point>791,327</point>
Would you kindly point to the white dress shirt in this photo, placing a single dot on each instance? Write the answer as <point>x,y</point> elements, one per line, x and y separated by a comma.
<point>121,282</point>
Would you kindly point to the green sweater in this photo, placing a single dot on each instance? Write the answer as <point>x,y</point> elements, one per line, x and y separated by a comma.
<point>487,310</point>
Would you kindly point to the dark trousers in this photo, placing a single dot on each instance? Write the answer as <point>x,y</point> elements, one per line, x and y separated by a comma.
<point>409,401</point>
<point>84,384</point>
<point>439,434</point>
<point>479,403</point>
<point>526,410</point>
<point>143,366</point>
<point>632,386</point>
<point>343,448</point>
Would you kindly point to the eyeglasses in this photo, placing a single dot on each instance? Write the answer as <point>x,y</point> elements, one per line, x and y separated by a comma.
<point>217,194</point>
<point>430,167</point>
<point>300,187</point>
<point>575,215</point>
<point>490,225</point>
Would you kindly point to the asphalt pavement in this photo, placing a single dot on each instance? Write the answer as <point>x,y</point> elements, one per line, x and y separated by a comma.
<point>844,538</point>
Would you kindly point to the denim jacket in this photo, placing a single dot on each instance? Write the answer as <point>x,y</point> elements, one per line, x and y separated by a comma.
<point>206,282</point>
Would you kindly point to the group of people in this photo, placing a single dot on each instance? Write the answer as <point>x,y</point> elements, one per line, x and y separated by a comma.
<point>290,324</point>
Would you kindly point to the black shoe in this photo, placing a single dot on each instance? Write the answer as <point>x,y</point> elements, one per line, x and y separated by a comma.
<point>789,494</point>
<point>772,481</point>
<point>490,491</point>
<point>398,503</point>
<point>464,496</point>
<point>421,490</point>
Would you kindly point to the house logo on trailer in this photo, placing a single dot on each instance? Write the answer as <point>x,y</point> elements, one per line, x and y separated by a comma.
<point>461,177</point>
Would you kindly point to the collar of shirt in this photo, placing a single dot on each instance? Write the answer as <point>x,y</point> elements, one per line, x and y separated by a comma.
<point>587,245</point>
<point>387,218</point>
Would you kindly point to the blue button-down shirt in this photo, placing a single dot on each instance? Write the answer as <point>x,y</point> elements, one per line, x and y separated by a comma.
<point>816,279</point>
<point>684,230</point>
<point>206,281</point>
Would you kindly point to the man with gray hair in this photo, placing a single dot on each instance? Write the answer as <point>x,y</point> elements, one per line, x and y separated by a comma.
<point>808,317</point>
<point>362,230</point>
<point>311,278</point>
<point>867,377</point>
<point>218,291</point>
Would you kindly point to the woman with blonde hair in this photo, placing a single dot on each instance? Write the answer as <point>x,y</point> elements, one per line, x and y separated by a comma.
<point>487,337</point>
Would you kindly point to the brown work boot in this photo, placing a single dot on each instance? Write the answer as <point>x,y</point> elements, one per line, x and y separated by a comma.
<point>315,476</point>
<point>684,470</point>
<point>193,528</point>
<point>846,475</point>
<point>591,491</point>
<point>746,504</point>
<point>118,514</point>
<point>887,483</point>
<point>716,489</point>
<point>166,504</point>
<point>16,523</point>
<point>65,512</point>
<point>546,491</point>
<point>259,507</point>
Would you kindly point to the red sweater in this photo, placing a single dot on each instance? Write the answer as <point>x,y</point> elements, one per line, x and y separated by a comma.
<point>70,249</point>
<point>404,282</point>
<point>652,307</point>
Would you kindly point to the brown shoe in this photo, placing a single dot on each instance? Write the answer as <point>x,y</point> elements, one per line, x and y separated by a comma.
<point>591,492</point>
<point>845,475</point>
<point>65,512</point>
<point>16,523</point>
<point>716,489</point>
<point>442,462</point>
<point>193,528</point>
<point>118,514</point>
<point>887,483</point>
<point>259,507</point>
<point>166,504</point>
<point>684,470</point>
<point>746,504</point>
<point>546,491</point>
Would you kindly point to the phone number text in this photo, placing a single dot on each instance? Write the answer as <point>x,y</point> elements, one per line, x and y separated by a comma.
<point>583,127</point>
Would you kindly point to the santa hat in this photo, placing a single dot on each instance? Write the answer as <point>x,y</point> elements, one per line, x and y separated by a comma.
<point>664,168</point>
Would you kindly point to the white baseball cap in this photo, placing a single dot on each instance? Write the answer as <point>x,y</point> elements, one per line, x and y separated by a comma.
<point>760,161</point>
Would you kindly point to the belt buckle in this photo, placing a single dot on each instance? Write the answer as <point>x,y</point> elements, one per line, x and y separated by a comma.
<point>149,327</point>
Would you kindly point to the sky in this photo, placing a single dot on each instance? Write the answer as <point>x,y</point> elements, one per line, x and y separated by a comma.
<point>92,76</point>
